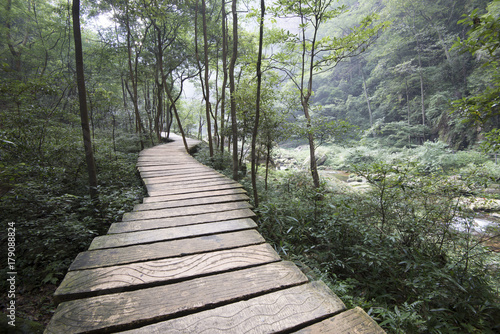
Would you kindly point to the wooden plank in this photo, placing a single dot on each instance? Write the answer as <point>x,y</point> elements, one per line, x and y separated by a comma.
<point>170,166</point>
<point>192,210</point>
<point>196,185</point>
<point>275,312</point>
<point>176,169</point>
<point>167,156</point>
<point>176,178</point>
<point>177,197</point>
<point>159,164</point>
<point>92,282</point>
<point>351,321</point>
<point>136,308</point>
<point>202,187</point>
<point>151,224</point>
<point>162,250</point>
<point>153,174</point>
<point>190,202</point>
<point>150,236</point>
<point>187,181</point>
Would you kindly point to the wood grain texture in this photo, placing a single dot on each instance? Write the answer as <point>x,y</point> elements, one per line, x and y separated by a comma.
<point>192,210</point>
<point>135,308</point>
<point>195,185</point>
<point>151,224</point>
<point>91,282</point>
<point>166,249</point>
<point>177,178</point>
<point>189,181</point>
<point>193,201</point>
<point>198,194</point>
<point>151,236</point>
<point>354,321</point>
<point>168,167</point>
<point>193,170</point>
<point>200,188</point>
<point>270,313</point>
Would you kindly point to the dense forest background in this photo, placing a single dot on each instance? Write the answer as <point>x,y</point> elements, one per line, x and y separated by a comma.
<point>403,95</point>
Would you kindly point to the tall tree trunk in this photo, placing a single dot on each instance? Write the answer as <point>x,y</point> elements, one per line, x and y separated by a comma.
<point>207,87</point>
<point>421,76</point>
<point>257,105</point>
<point>365,89</point>
<point>172,103</point>
<point>159,84</point>
<point>232,89</point>
<point>408,107</point>
<point>224,80</point>
<point>82,96</point>
<point>305,100</point>
<point>15,53</point>
<point>133,79</point>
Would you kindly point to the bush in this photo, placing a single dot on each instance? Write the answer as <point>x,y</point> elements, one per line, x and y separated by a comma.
<point>392,249</point>
<point>50,206</point>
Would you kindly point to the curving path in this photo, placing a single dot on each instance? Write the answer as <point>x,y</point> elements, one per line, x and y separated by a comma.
<point>190,260</point>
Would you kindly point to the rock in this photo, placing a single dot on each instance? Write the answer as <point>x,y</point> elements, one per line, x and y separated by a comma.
<point>356,178</point>
<point>23,326</point>
<point>481,204</point>
<point>321,161</point>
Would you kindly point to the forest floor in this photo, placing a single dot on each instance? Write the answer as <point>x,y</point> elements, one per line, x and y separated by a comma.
<point>34,308</point>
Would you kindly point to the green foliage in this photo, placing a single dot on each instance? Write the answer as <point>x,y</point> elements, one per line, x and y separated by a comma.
<point>48,202</point>
<point>393,249</point>
<point>482,108</point>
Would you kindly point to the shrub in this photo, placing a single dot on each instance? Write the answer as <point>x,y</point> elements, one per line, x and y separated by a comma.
<point>392,249</point>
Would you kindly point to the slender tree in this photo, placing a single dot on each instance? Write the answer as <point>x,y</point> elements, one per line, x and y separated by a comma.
<point>224,79</point>
<point>232,90</point>
<point>317,54</point>
<point>257,103</point>
<point>82,96</point>
<point>207,86</point>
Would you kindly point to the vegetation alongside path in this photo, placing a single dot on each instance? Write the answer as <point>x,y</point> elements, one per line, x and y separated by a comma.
<point>394,248</point>
<point>53,214</point>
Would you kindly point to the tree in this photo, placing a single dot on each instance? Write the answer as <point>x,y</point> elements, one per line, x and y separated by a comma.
<point>483,107</point>
<point>87,141</point>
<point>257,103</point>
<point>314,54</point>
<point>232,90</point>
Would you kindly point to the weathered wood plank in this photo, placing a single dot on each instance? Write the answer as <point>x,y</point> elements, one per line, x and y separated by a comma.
<point>150,236</point>
<point>166,156</point>
<point>351,321</point>
<point>159,167</point>
<point>176,170</point>
<point>151,175</point>
<point>200,194</point>
<point>162,250</point>
<point>192,210</point>
<point>135,308</point>
<point>202,187</point>
<point>92,282</point>
<point>274,312</point>
<point>151,224</point>
<point>188,181</point>
<point>177,178</point>
<point>196,185</point>
<point>194,201</point>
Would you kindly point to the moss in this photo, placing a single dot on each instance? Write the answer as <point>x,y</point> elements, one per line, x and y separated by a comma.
<point>23,326</point>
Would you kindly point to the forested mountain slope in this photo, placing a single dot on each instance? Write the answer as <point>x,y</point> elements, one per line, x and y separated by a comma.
<point>403,86</point>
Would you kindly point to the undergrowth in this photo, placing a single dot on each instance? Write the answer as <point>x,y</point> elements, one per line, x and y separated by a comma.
<point>49,205</point>
<point>403,250</point>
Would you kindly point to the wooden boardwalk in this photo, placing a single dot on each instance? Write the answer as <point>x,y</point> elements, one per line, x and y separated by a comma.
<point>190,260</point>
